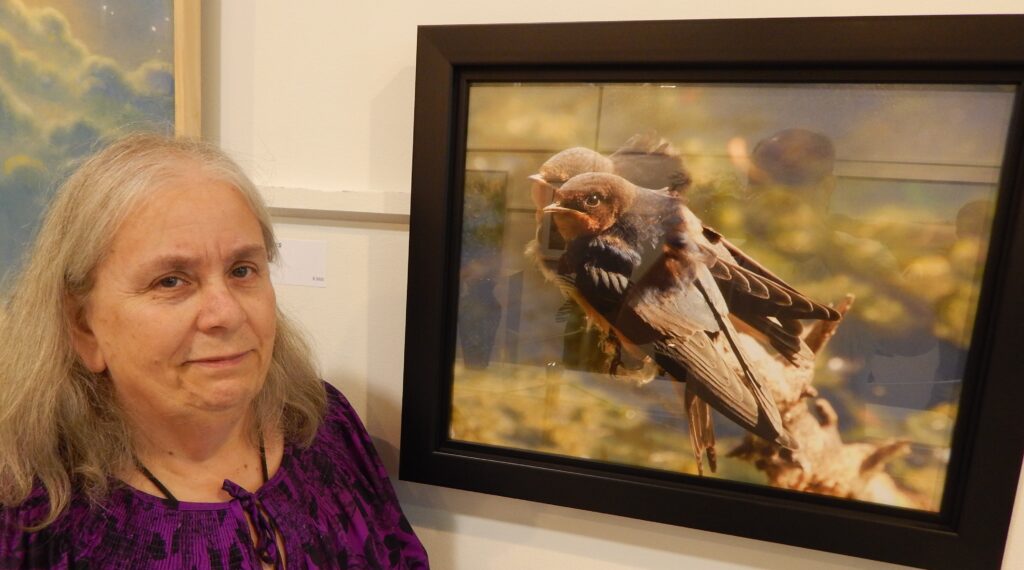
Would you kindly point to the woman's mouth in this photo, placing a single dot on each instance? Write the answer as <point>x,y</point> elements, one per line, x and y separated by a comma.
<point>220,361</point>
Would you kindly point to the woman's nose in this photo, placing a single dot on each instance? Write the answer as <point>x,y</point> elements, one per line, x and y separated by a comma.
<point>220,307</point>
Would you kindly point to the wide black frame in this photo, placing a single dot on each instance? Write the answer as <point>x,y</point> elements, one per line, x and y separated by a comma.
<point>971,528</point>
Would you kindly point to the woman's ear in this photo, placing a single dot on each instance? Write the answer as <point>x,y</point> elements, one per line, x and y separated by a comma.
<point>83,339</point>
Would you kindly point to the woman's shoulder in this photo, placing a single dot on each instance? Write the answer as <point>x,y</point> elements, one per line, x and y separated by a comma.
<point>333,395</point>
<point>338,406</point>
<point>35,508</point>
<point>341,424</point>
<point>22,547</point>
<point>342,444</point>
<point>340,419</point>
<point>344,475</point>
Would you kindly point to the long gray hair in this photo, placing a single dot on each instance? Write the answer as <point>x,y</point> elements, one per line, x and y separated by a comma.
<point>60,425</point>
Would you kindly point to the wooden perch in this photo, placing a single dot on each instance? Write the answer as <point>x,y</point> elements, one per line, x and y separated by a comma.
<point>823,463</point>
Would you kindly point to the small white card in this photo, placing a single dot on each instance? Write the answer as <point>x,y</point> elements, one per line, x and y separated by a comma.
<point>301,262</point>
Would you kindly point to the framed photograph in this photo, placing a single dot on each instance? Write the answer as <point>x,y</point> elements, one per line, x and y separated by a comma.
<point>730,275</point>
<point>79,72</point>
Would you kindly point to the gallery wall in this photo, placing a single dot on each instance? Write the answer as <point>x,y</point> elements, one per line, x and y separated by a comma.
<point>315,99</point>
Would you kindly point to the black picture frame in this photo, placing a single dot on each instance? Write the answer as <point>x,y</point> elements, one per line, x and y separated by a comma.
<point>971,528</point>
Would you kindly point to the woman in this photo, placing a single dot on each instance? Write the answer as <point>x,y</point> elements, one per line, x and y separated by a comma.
<point>156,408</point>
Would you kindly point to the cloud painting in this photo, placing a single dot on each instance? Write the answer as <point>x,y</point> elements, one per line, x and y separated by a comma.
<point>71,73</point>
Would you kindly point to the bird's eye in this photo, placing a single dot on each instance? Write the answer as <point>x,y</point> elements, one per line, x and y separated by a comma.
<point>593,200</point>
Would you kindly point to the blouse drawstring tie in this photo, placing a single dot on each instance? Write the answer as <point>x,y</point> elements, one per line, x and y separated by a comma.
<point>266,545</point>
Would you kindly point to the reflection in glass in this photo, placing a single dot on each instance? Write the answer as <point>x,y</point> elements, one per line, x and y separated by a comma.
<point>885,193</point>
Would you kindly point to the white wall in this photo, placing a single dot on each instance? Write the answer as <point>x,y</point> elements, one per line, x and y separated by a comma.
<point>318,95</point>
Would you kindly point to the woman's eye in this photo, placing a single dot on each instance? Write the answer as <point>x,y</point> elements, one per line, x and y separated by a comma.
<point>242,271</point>
<point>170,282</point>
<point>593,200</point>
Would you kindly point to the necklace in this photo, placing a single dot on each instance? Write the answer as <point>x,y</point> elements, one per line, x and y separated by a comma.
<point>167,493</point>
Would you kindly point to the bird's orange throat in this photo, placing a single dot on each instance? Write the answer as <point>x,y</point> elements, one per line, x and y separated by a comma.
<point>573,223</point>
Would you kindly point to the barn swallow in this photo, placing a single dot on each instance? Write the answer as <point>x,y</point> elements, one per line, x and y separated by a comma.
<point>648,161</point>
<point>644,269</point>
<point>644,159</point>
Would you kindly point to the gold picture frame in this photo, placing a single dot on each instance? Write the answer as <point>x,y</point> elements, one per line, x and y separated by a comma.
<point>188,115</point>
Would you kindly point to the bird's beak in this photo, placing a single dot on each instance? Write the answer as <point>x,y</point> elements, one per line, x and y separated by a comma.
<point>556,208</point>
<point>541,191</point>
<point>540,180</point>
<point>559,211</point>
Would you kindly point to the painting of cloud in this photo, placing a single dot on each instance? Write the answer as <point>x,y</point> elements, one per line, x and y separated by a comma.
<point>73,72</point>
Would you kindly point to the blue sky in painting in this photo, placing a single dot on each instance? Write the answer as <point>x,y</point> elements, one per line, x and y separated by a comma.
<point>71,72</point>
<point>129,31</point>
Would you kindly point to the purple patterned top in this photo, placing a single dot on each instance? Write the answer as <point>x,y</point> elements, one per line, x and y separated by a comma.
<point>332,504</point>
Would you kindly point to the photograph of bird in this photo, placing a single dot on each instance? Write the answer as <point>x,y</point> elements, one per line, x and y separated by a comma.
<point>712,266</point>
<point>649,161</point>
<point>647,272</point>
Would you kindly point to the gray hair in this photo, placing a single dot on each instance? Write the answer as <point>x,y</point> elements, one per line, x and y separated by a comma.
<point>60,424</point>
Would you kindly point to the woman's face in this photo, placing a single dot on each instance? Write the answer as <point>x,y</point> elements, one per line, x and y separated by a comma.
<point>182,313</point>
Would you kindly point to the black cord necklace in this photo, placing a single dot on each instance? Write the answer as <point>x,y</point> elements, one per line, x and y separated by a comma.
<point>167,493</point>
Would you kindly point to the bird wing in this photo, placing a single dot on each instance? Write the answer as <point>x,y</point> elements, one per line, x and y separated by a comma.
<point>599,269</point>
<point>683,322</point>
<point>760,298</point>
<point>743,275</point>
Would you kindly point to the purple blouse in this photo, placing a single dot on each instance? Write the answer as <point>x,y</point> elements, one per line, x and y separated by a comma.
<point>332,504</point>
